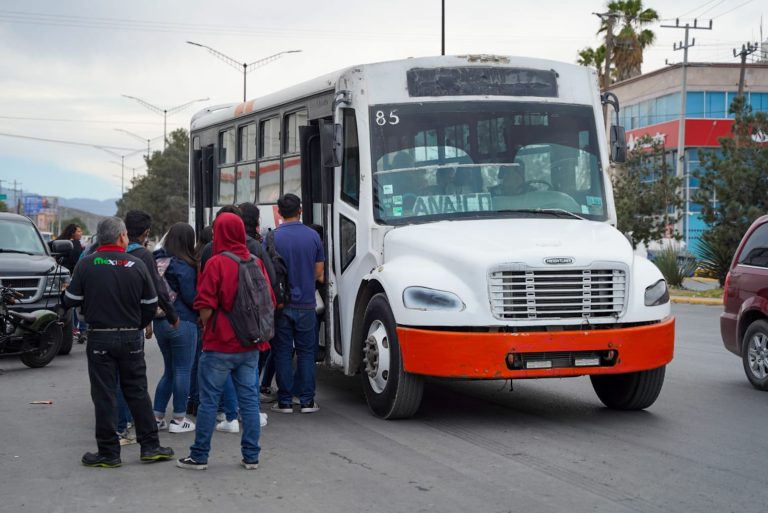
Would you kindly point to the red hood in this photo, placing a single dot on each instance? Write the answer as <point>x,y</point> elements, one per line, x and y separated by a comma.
<point>229,235</point>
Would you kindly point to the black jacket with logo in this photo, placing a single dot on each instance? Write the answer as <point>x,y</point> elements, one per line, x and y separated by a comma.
<point>115,289</point>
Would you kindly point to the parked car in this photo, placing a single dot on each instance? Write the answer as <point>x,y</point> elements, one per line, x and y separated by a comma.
<point>28,266</point>
<point>744,323</point>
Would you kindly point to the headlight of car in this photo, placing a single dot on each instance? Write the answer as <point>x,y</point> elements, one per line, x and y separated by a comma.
<point>657,294</point>
<point>423,298</point>
<point>55,283</point>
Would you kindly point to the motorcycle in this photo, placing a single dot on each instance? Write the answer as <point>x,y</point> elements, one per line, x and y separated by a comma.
<point>34,337</point>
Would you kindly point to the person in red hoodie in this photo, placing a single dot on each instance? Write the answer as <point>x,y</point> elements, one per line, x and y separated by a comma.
<point>223,355</point>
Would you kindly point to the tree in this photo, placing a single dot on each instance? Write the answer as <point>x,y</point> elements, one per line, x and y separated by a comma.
<point>645,193</point>
<point>733,185</point>
<point>595,58</point>
<point>632,39</point>
<point>163,192</point>
<point>75,220</point>
<point>628,44</point>
<point>3,206</point>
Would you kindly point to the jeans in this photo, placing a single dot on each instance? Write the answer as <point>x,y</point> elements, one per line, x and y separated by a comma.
<point>178,347</point>
<point>214,369</point>
<point>111,353</point>
<point>295,329</point>
<point>229,399</point>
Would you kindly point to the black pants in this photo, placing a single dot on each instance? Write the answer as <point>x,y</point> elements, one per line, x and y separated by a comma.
<point>110,353</point>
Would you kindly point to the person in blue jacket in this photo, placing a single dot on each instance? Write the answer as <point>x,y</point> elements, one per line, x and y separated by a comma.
<point>177,264</point>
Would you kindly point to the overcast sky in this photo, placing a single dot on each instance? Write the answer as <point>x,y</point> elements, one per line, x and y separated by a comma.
<point>66,65</point>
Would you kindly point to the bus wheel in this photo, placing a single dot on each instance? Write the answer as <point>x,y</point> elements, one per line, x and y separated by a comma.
<point>630,391</point>
<point>391,392</point>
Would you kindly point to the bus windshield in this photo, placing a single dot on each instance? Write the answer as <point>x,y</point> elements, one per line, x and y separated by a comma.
<point>437,161</point>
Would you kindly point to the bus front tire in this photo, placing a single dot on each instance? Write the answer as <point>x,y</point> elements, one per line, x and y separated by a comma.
<point>391,392</point>
<point>630,391</point>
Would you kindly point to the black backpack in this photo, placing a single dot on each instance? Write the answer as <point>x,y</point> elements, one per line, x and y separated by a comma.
<point>281,287</point>
<point>253,314</point>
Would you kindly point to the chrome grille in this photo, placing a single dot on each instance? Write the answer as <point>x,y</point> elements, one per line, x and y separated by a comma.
<point>28,286</point>
<point>560,294</point>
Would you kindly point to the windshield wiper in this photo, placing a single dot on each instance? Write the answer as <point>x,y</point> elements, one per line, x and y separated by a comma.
<point>4,250</point>
<point>558,212</point>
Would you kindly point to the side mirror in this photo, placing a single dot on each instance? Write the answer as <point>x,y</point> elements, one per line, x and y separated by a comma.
<point>59,247</point>
<point>618,144</point>
<point>331,139</point>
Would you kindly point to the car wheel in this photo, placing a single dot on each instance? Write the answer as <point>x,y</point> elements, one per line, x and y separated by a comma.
<point>630,391</point>
<point>754,354</point>
<point>50,341</point>
<point>66,336</point>
<point>391,392</point>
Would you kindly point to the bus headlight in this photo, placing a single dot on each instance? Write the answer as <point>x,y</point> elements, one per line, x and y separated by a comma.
<point>657,294</point>
<point>423,298</point>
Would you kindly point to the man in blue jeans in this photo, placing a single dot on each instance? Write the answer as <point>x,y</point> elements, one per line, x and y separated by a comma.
<point>223,355</point>
<point>302,250</point>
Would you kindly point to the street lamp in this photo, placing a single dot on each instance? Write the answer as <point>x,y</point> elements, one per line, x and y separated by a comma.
<point>165,112</point>
<point>121,164</point>
<point>140,138</point>
<point>246,67</point>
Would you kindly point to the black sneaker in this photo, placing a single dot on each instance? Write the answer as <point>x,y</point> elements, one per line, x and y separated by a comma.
<point>94,459</point>
<point>156,454</point>
<point>310,407</point>
<point>190,464</point>
<point>249,465</point>
<point>282,408</point>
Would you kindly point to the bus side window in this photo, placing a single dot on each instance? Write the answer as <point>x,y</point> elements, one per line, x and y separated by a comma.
<point>350,169</point>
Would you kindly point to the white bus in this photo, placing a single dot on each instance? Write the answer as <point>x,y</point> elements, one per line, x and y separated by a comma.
<point>468,217</point>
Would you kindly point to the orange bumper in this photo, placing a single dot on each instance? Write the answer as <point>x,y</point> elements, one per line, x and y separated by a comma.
<point>484,355</point>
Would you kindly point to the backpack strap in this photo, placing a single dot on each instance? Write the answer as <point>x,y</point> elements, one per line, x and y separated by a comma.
<point>235,257</point>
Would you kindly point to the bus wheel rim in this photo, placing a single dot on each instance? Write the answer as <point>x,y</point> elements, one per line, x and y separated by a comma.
<point>376,356</point>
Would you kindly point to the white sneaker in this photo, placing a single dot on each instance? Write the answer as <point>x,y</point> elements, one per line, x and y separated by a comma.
<point>228,426</point>
<point>221,416</point>
<point>183,426</point>
<point>126,437</point>
<point>262,419</point>
<point>161,424</point>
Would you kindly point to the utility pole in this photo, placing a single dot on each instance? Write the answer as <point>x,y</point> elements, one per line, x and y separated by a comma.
<point>681,163</point>
<point>747,49</point>
<point>442,29</point>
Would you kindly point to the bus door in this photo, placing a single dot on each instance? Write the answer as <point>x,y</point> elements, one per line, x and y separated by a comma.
<point>203,186</point>
<point>317,198</point>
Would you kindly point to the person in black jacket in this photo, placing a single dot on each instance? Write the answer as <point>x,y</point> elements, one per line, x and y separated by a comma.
<point>119,299</point>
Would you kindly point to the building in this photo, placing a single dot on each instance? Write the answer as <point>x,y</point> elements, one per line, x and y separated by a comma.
<point>651,104</point>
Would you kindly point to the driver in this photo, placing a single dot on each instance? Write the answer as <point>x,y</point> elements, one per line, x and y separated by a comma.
<point>511,181</point>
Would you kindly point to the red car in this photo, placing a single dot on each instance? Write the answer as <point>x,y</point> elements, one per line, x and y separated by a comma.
<point>744,324</point>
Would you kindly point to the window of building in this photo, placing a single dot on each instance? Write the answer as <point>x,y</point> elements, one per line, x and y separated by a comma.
<point>227,146</point>
<point>715,104</point>
<point>293,121</point>
<point>270,138</point>
<point>759,102</point>
<point>247,142</point>
<point>694,105</point>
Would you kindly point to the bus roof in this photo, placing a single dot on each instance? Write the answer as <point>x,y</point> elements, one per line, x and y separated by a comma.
<point>573,80</point>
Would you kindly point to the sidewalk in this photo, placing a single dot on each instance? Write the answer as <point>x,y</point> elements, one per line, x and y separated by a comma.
<point>713,301</point>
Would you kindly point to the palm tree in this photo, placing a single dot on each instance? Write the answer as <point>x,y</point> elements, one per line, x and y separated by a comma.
<point>632,39</point>
<point>593,57</point>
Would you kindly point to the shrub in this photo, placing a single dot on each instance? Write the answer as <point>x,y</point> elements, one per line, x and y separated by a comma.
<point>675,266</point>
<point>716,253</point>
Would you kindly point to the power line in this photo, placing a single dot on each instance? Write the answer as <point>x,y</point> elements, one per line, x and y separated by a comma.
<point>731,10</point>
<point>73,143</point>
<point>698,7</point>
<point>712,7</point>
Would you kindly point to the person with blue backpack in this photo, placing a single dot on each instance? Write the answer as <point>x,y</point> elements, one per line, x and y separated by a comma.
<point>177,265</point>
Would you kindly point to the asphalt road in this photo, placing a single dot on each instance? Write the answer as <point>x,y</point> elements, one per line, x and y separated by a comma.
<point>549,446</point>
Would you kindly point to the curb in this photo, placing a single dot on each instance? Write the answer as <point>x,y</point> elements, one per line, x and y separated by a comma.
<point>697,300</point>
